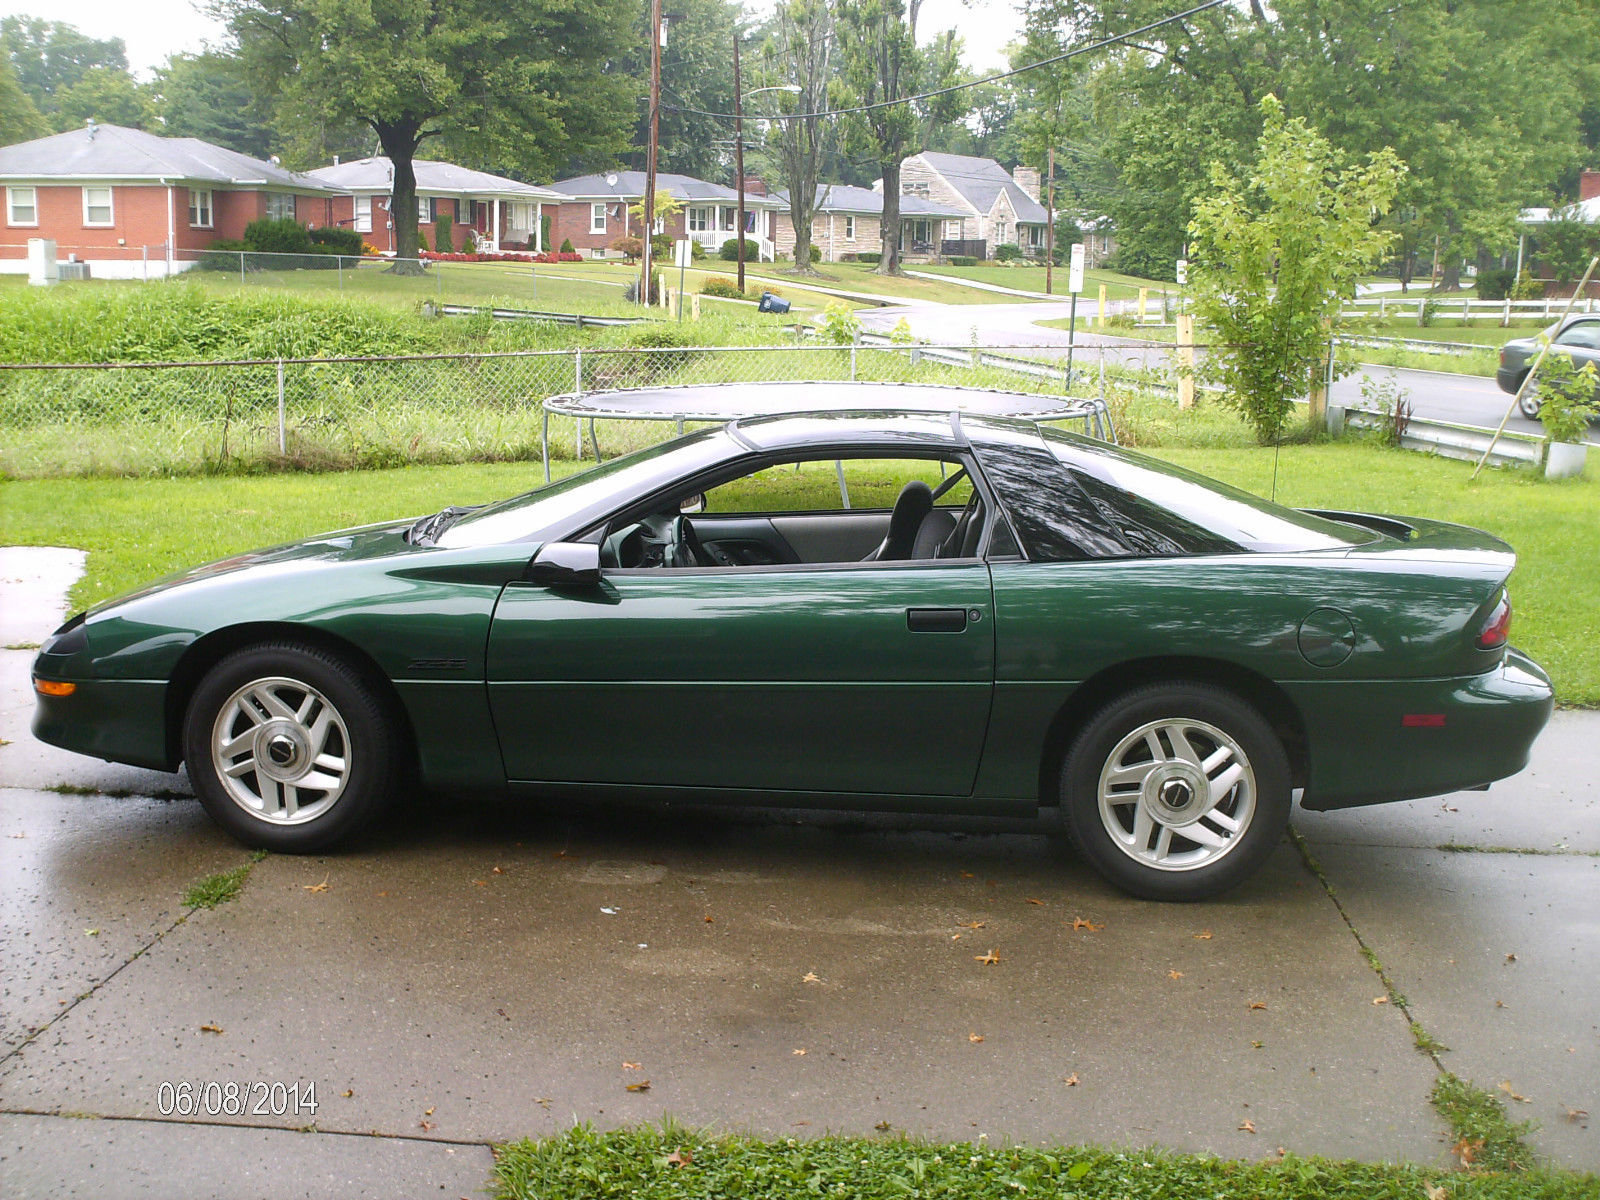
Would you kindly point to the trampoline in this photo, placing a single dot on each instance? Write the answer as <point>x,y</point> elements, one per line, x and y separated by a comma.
<point>731,401</point>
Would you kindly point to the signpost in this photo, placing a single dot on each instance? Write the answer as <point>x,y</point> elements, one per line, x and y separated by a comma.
<point>1074,285</point>
<point>682,251</point>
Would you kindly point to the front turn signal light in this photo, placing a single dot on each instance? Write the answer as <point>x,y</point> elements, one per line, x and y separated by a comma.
<point>51,687</point>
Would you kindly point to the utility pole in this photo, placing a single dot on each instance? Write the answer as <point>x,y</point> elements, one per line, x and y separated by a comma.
<point>738,153</point>
<point>650,154</point>
<point>1050,223</point>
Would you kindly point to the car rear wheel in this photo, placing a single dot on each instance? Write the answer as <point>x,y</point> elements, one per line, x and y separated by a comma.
<point>1531,401</point>
<point>1176,791</point>
<point>289,748</point>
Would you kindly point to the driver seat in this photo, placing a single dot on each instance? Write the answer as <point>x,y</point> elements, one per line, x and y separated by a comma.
<point>911,507</point>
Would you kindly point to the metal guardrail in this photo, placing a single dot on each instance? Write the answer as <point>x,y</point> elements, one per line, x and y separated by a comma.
<point>580,320</point>
<point>1425,345</point>
<point>1450,440</point>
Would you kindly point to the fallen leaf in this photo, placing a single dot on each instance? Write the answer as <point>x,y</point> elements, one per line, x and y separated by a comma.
<point>680,1158</point>
<point>1577,1114</point>
<point>628,1066</point>
<point>1505,1086</point>
<point>497,871</point>
<point>798,1052</point>
<point>966,874</point>
<point>610,912</point>
<point>955,937</point>
<point>544,1101</point>
<point>710,920</point>
<point>1380,999</point>
<point>91,933</point>
<point>1091,926</point>
<point>427,1126</point>
<point>988,959</point>
<point>428,1113</point>
<point>1255,1005</point>
<point>642,1086</point>
<point>1174,974</point>
<point>211,1029</point>
<point>973,924</point>
<point>1071,1080</point>
<point>316,887</point>
<point>1031,900</point>
<point>1257,1045</point>
<point>1467,1150</point>
<point>810,977</point>
<point>383,893</point>
<point>1203,936</point>
<point>883,1127</point>
<point>348,1092</point>
<point>479,883</point>
<point>1435,1193</point>
<point>974,1037</point>
<point>1247,1125</point>
<point>1499,1003</point>
<point>1449,808</point>
<point>1510,958</point>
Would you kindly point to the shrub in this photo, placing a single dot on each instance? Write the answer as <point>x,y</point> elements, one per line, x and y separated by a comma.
<point>631,293</point>
<point>1007,252</point>
<point>961,260</point>
<point>566,245</point>
<point>544,230</point>
<point>338,241</point>
<point>629,247</point>
<point>721,285</point>
<point>661,247</point>
<point>840,324</point>
<point>696,251</point>
<point>277,237</point>
<point>870,256</point>
<point>444,235</point>
<point>1496,283</point>
<point>222,255</point>
<point>1566,397</point>
<point>730,251</point>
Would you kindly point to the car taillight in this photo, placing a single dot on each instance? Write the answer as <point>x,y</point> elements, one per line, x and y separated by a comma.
<point>1497,629</point>
<point>1502,356</point>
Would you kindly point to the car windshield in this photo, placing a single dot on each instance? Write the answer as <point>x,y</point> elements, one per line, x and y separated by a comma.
<point>1204,504</point>
<point>553,510</point>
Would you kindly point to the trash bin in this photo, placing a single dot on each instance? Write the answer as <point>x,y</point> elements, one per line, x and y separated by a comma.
<point>772,304</point>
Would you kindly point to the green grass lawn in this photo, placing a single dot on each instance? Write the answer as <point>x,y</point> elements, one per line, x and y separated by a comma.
<point>136,529</point>
<point>1032,279</point>
<point>684,1164</point>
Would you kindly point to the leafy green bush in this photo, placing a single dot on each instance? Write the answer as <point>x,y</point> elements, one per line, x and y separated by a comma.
<point>277,237</point>
<point>721,285</point>
<point>696,251</point>
<point>730,251</point>
<point>661,247</point>
<point>566,245</point>
<point>1496,283</point>
<point>338,241</point>
<point>1007,252</point>
<point>444,235</point>
<point>1566,397</point>
<point>223,255</point>
<point>629,247</point>
<point>870,256</point>
<point>840,325</point>
<point>961,260</point>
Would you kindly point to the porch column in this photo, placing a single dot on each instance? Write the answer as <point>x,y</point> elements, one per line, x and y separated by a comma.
<point>494,237</point>
<point>538,226</point>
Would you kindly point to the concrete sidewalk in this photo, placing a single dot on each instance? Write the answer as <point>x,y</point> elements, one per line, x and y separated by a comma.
<point>482,971</point>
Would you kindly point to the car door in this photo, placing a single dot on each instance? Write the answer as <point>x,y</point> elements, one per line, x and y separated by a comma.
<point>1581,339</point>
<point>854,678</point>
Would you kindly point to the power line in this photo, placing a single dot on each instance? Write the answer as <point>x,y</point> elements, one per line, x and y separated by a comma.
<point>956,87</point>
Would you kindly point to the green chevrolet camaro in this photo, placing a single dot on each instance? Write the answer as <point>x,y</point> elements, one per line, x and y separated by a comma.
<point>1040,621</point>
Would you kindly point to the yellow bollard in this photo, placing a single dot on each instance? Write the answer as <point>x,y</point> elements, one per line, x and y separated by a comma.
<point>1103,313</point>
<point>1144,294</point>
<point>1185,335</point>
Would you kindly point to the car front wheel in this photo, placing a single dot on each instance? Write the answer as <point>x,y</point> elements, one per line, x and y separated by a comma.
<point>289,748</point>
<point>1531,401</point>
<point>1176,791</point>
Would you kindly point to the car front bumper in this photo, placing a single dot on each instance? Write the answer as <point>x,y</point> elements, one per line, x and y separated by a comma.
<point>120,720</point>
<point>1376,742</point>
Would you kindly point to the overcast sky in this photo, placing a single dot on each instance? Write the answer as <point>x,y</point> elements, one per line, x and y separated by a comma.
<point>155,29</point>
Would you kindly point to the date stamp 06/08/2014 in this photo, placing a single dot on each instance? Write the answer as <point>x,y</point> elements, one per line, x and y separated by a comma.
<point>236,1098</point>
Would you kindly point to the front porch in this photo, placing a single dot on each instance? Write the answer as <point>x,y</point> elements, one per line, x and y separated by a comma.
<point>714,225</point>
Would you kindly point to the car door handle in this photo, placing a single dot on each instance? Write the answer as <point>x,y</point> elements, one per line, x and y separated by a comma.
<point>936,620</point>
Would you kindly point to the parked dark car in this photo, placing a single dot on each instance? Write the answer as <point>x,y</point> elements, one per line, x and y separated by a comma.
<point>1578,336</point>
<point>1041,622</point>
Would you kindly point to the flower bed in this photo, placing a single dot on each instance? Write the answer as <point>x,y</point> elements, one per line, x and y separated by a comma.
<point>547,256</point>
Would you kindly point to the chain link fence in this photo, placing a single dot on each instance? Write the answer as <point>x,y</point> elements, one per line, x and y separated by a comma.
<point>333,413</point>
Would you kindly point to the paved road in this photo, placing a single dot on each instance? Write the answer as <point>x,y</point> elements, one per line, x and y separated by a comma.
<point>477,971</point>
<point>1464,399</point>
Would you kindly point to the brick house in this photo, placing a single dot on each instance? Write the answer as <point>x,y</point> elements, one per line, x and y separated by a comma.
<point>595,213</point>
<point>134,205</point>
<point>849,220</point>
<point>997,207</point>
<point>498,213</point>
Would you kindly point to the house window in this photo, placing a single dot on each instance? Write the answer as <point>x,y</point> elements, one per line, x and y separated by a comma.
<point>424,210</point>
<point>597,218</point>
<point>97,206</point>
<point>849,229</point>
<point>363,214</point>
<point>952,230</point>
<point>280,206</point>
<point>22,206</point>
<point>200,208</point>
<point>729,219</point>
<point>699,220</point>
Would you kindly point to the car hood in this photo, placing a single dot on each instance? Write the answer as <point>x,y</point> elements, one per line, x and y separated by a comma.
<point>325,549</point>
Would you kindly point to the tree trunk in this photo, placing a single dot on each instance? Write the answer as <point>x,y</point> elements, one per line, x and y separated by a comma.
<point>399,141</point>
<point>889,264</point>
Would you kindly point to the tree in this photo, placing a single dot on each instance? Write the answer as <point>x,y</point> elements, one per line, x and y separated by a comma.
<point>207,96</point>
<point>524,83</point>
<point>801,54</point>
<point>108,95</point>
<point>19,119</point>
<point>879,62</point>
<point>696,72</point>
<point>51,56</point>
<point>664,207</point>
<point>1276,254</point>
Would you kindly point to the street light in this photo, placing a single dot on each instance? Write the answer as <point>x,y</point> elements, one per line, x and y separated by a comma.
<point>738,143</point>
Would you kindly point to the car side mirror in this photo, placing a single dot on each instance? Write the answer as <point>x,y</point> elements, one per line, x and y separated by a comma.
<point>693,504</point>
<point>565,564</point>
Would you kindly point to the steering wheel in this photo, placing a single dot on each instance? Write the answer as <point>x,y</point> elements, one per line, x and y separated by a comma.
<point>684,548</point>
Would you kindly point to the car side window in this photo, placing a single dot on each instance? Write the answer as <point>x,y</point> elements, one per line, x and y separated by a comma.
<point>813,486</point>
<point>1581,335</point>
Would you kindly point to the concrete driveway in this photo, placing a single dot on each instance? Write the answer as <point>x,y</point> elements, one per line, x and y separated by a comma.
<point>477,971</point>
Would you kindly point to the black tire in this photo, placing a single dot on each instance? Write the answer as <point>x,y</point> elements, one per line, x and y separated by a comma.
<point>361,735</point>
<point>1209,720</point>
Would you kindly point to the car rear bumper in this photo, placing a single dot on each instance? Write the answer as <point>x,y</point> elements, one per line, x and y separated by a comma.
<point>121,720</point>
<point>1509,378</point>
<point>1376,742</point>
